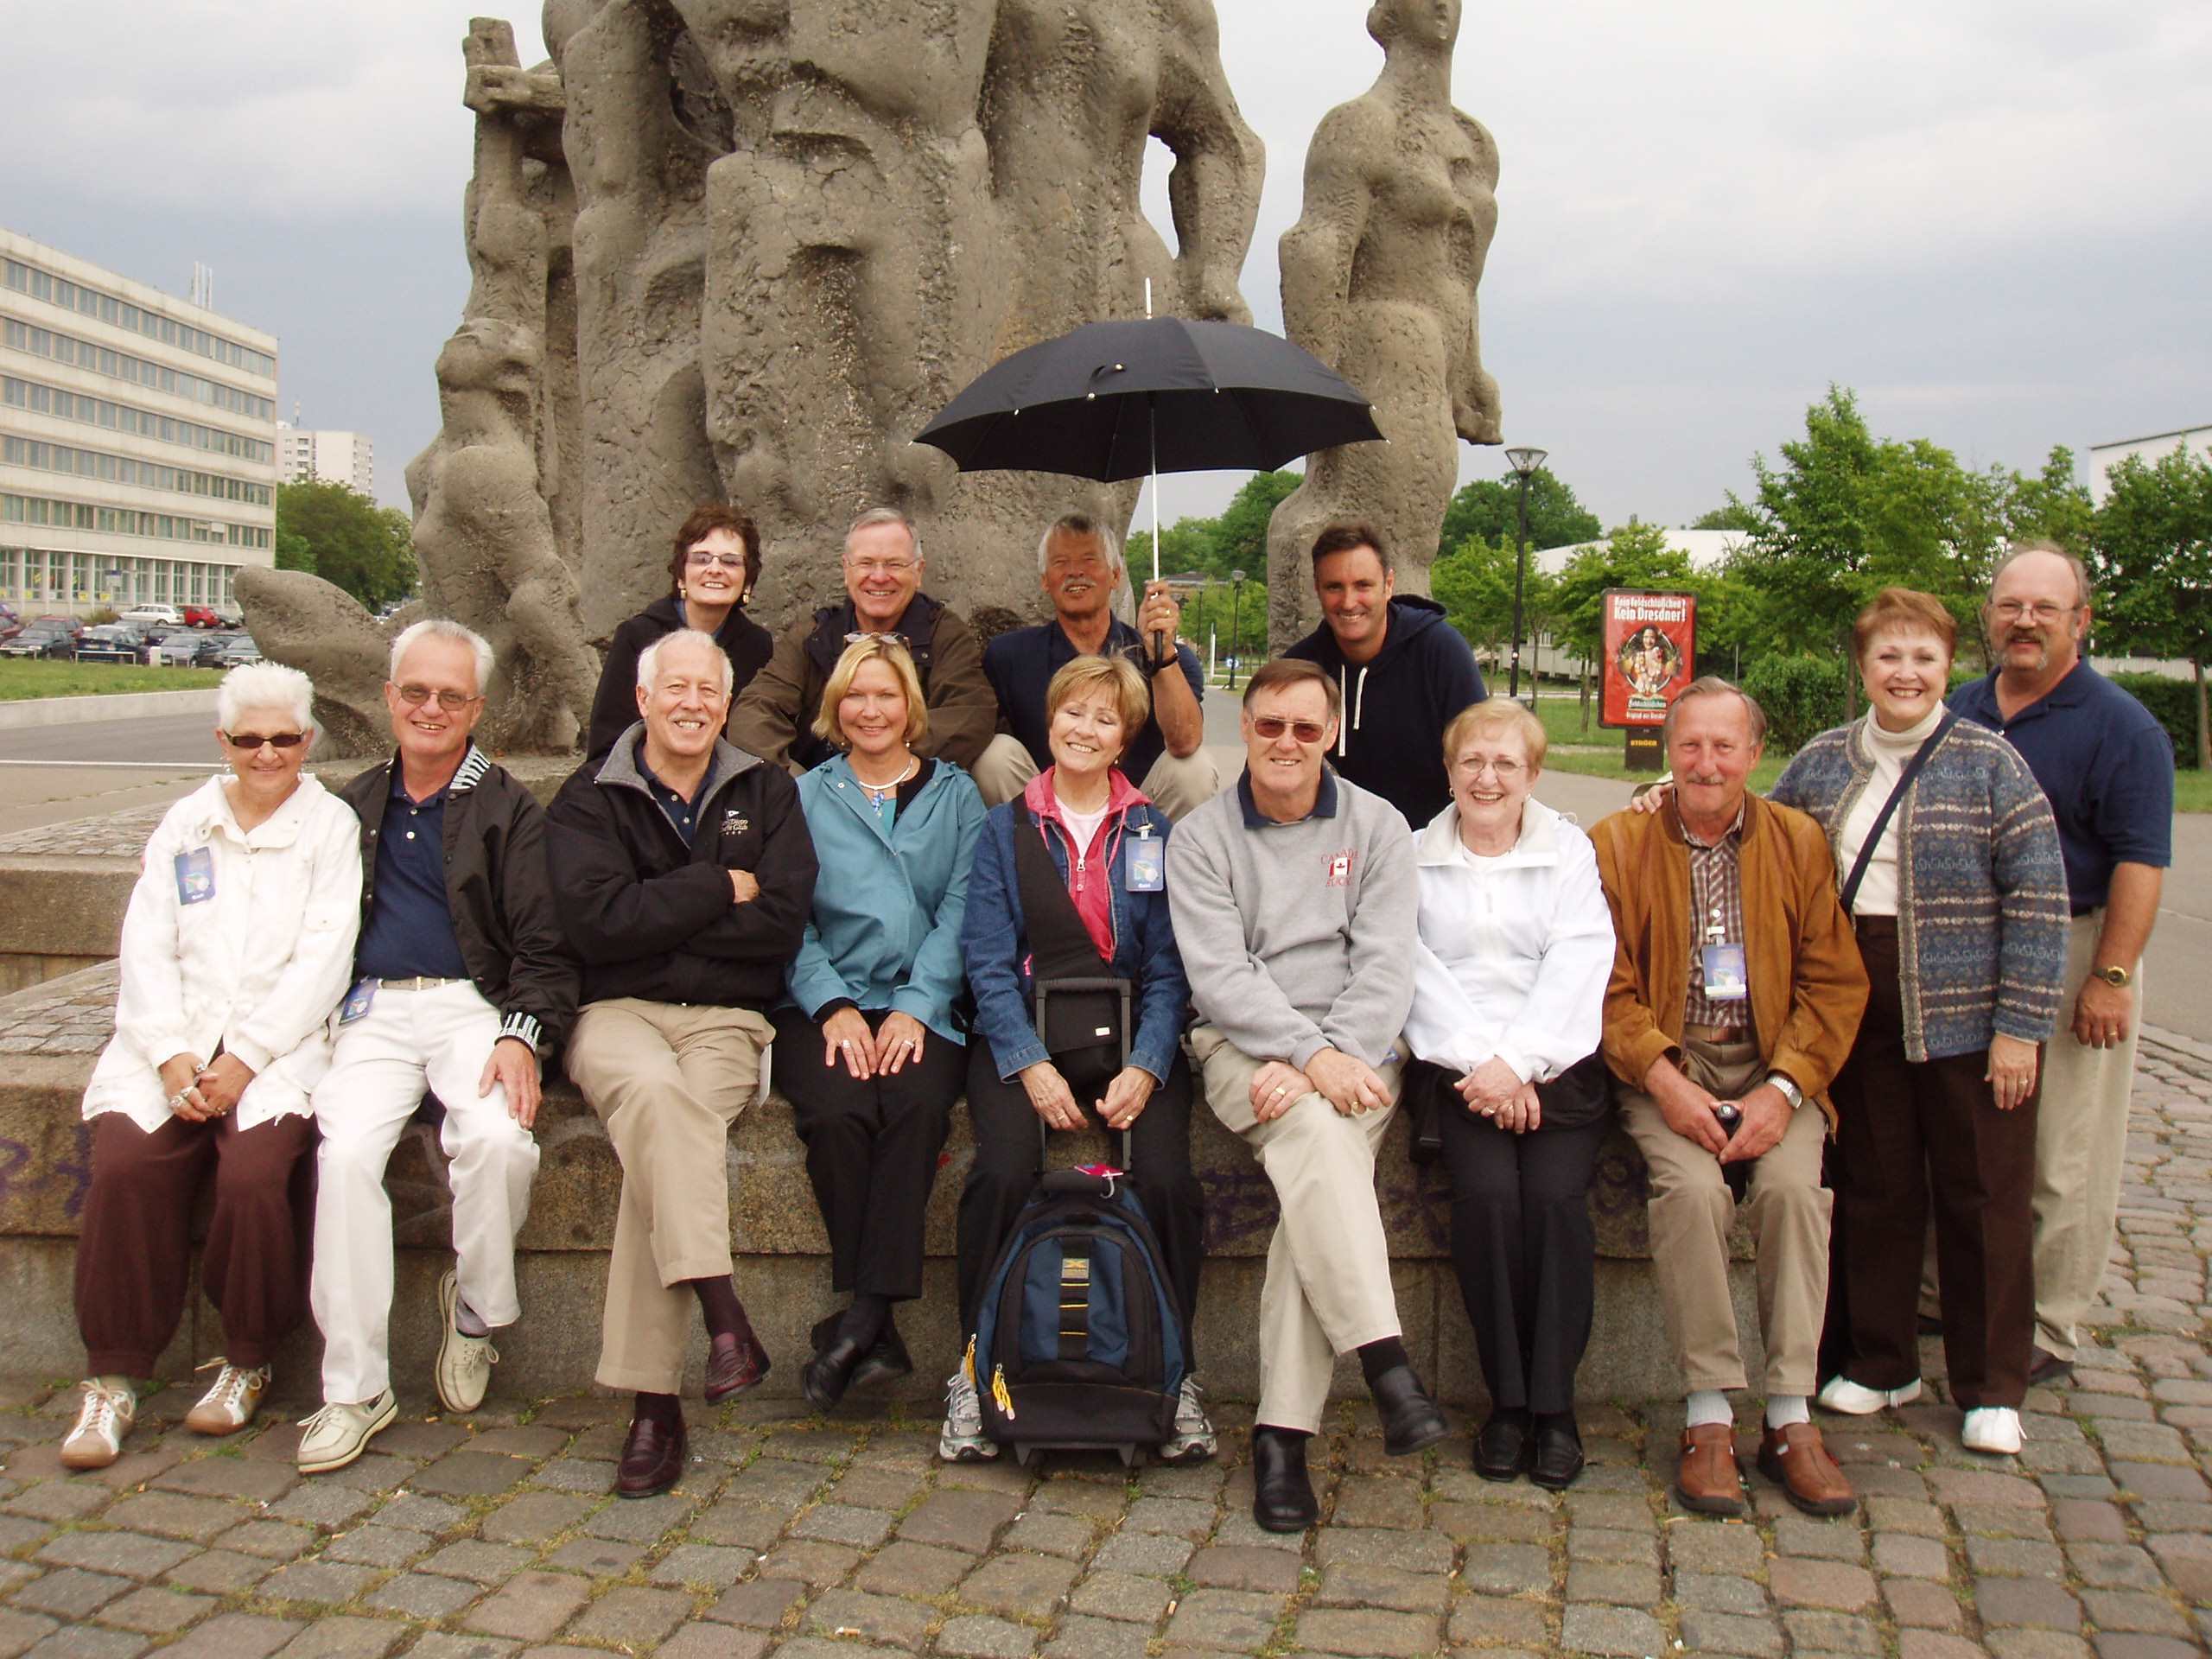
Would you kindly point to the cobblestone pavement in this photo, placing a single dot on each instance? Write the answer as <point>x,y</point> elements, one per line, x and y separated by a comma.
<point>495,1536</point>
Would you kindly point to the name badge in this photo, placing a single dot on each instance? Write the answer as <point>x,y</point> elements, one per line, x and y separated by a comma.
<point>195,877</point>
<point>1727,979</point>
<point>357,1000</point>
<point>1145,863</point>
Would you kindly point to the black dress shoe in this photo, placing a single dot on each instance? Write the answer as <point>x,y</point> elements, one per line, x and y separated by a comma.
<point>1558,1450</point>
<point>652,1458</point>
<point>884,1363</point>
<point>1410,1419</point>
<point>1503,1449</point>
<point>1282,1495</point>
<point>733,1371</point>
<point>829,1373</point>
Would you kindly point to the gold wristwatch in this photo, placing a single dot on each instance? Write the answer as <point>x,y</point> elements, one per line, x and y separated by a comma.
<point>2114,975</point>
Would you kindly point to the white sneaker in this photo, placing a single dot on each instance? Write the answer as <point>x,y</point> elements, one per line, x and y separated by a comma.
<point>464,1367</point>
<point>962,1440</point>
<point>339,1434</point>
<point>229,1405</point>
<point>103,1420</point>
<point>1194,1440</point>
<point>1994,1429</point>
<point>1843,1394</point>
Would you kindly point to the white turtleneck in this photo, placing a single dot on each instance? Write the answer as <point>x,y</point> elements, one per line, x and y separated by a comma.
<point>1877,888</point>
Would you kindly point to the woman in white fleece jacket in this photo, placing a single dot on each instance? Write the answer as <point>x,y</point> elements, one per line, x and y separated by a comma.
<point>1517,944</point>
<point>236,946</point>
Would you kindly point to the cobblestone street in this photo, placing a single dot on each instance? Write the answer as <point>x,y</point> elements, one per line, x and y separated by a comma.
<point>496,1535</point>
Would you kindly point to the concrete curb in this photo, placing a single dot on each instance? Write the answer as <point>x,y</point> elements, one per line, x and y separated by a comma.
<point>122,705</point>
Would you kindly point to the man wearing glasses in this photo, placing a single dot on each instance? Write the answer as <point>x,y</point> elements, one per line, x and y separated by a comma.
<point>2109,768</point>
<point>461,982</point>
<point>1294,898</point>
<point>883,581</point>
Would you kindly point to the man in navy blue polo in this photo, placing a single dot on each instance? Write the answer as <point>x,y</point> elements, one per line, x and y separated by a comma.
<point>1081,570</point>
<point>2109,768</point>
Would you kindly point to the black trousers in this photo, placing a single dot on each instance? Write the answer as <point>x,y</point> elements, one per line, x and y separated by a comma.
<point>871,1150</point>
<point>1907,1133</point>
<point>1010,1156</point>
<point>1523,1248</point>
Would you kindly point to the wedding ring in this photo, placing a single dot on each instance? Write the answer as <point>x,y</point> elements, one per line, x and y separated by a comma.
<point>175,1101</point>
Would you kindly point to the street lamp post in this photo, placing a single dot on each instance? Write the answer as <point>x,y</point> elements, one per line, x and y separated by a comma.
<point>1524,461</point>
<point>1236,615</point>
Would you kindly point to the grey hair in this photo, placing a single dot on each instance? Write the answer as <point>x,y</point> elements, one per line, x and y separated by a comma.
<point>884,516</point>
<point>1081,524</point>
<point>1711,685</point>
<point>444,628</point>
<point>649,659</point>
<point>265,685</point>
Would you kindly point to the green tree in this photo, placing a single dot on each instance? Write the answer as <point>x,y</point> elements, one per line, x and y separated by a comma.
<point>366,550</point>
<point>1736,515</point>
<point>1186,547</point>
<point>1491,507</point>
<point>293,552</point>
<point>1240,536</point>
<point>2152,559</point>
<point>1217,616</point>
<point>1474,584</point>
<point>2052,506</point>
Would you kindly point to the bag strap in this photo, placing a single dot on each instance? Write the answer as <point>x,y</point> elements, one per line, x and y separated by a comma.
<point>1061,946</point>
<point>1888,807</point>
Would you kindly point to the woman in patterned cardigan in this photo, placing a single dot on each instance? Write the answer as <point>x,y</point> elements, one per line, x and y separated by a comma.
<point>1961,911</point>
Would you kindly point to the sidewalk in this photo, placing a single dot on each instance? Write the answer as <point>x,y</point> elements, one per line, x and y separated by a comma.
<point>495,1536</point>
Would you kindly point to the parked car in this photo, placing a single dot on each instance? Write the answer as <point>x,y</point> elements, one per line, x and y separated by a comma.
<point>174,649</point>
<point>208,654</point>
<point>34,642</point>
<point>201,616</point>
<point>154,616</point>
<point>112,642</point>
<point>242,649</point>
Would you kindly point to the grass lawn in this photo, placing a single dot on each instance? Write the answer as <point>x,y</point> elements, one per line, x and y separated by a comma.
<point>23,678</point>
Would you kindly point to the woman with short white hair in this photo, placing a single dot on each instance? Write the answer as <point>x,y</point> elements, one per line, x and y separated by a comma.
<point>236,946</point>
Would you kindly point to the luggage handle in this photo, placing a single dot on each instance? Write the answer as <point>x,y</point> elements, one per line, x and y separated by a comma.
<point>1045,988</point>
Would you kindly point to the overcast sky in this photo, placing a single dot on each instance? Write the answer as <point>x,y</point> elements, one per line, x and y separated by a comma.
<point>1993,218</point>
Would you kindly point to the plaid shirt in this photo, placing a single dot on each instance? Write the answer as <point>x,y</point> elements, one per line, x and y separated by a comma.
<point>1716,895</point>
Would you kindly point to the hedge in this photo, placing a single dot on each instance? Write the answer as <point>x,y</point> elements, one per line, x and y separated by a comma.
<point>2174,704</point>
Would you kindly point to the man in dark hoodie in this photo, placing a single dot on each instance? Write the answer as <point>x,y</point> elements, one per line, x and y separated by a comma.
<point>883,579</point>
<point>1403,671</point>
<point>685,876</point>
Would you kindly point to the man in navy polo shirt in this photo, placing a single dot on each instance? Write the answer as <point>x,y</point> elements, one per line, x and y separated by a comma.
<point>2109,768</point>
<point>1081,570</point>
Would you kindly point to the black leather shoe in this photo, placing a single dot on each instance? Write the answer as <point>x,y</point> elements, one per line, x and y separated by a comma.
<point>1410,1419</point>
<point>652,1458</point>
<point>829,1373</point>
<point>1503,1449</point>
<point>1282,1495</point>
<point>887,1361</point>
<point>1558,1457</point>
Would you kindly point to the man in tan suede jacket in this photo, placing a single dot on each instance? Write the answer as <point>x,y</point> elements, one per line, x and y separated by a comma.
<point>1737,990</point>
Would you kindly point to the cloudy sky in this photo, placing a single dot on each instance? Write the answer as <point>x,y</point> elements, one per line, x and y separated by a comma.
<point>1993,218</point>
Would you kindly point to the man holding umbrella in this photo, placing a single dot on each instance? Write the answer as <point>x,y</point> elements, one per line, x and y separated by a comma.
<point>1082,570</point>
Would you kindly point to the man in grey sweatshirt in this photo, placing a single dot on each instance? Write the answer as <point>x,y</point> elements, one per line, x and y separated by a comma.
<point>1294,897</point>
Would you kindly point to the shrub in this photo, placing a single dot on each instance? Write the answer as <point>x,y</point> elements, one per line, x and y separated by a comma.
<point>2172,703</point>
<point>1803,696</point>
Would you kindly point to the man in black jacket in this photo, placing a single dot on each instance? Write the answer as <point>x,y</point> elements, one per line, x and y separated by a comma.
<point>462,981</point>
<point>687,876</point>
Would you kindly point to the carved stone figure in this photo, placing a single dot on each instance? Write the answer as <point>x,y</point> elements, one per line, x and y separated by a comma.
<point>1379,281</point>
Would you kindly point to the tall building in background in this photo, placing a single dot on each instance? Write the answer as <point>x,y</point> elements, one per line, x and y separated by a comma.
<point>137,439</point>
<point>333,457</point>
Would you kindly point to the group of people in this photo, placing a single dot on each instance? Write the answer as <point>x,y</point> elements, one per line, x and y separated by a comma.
<point>907,862</point>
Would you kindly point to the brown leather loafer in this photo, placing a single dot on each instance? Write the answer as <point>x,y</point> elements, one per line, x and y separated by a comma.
<point>1706,1478</point>
<point>652,1458</point>
<point>733,1371</point>
<point>1794,1459</point>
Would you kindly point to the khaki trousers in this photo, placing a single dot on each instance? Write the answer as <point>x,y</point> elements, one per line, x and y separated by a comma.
<point>2081,1142</point>
<point>1328,1287</point>
<point>668,1081</point>
<point>1692,1211</point>
<point>1005,767</point>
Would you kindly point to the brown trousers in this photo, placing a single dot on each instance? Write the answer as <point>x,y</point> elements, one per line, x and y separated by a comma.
<point>134,1242</point>
<point>1906,1132</point>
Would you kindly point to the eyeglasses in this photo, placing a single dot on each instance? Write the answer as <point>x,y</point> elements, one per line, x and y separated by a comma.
<point>2012,610</point>
<point>897,639</point>
<point>699,558</point>
<point>866,568</point>
<point>249,741</point>
<point>1272,726</point>
<point>451,702</point>
<point>1503,770</point>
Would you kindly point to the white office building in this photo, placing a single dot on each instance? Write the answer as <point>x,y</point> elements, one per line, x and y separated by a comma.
<point>346,458</point>
<point>137,441</point>
<point>2103,457</point>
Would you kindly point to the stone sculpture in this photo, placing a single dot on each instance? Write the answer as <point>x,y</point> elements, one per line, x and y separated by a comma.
<point>1379,281</point>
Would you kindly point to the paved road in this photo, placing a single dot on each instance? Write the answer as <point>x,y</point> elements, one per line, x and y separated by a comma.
<point>130,772</point>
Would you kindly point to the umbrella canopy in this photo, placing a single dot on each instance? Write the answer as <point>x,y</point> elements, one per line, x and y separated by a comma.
<point>1116,400</point>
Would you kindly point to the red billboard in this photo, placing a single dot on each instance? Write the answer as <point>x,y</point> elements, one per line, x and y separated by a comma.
<point>1650,654</point>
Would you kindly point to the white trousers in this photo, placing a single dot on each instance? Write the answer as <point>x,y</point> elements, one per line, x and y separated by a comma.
<point>409,1042</point>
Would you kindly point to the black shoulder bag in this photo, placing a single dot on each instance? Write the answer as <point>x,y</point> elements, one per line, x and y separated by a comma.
<point>1888,808</point>
<point>1082,1014</point>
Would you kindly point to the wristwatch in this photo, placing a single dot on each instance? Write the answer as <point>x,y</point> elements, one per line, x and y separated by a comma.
<point>1788,1091</point>
<point>2114,975</point>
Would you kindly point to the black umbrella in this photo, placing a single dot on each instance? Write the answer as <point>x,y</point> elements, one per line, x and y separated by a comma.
<point>1117,400</point>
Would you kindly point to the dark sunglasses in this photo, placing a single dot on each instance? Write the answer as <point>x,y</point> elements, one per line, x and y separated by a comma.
<point>1272,726</point>
<point>251,741</point>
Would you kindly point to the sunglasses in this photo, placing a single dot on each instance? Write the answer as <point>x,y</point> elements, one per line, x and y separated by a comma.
<point>451,702</point>
<point>251,741</point>
<point>1272,726</point>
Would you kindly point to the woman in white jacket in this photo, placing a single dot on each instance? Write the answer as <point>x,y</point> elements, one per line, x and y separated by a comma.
<point>1516,947</point>
<point>237,947</point>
